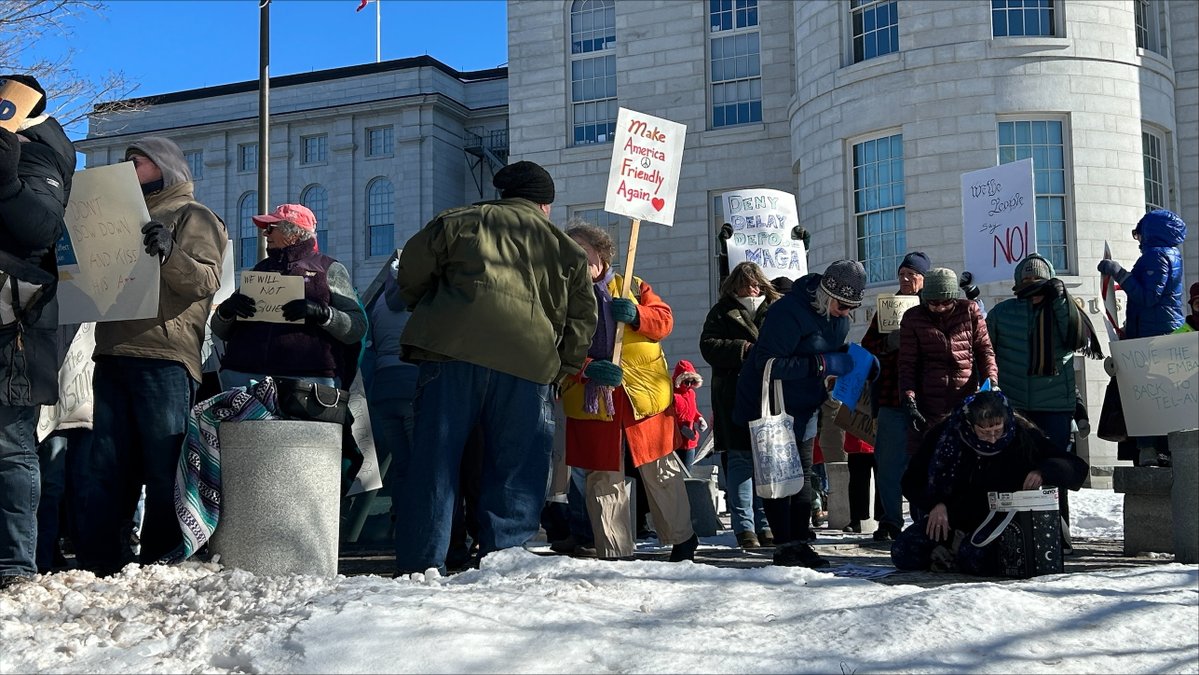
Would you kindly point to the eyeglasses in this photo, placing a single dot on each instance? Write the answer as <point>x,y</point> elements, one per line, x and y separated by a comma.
<point>269,228</point>
<point>908,276</point>
<point>844,307</point>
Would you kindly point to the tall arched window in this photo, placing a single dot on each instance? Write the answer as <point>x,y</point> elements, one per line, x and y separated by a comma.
<point>316,198</point>
<point>380,217</point>
<point>248,234</point>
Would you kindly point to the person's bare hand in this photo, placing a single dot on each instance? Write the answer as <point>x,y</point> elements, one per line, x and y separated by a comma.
<point>1033,480</point>
<point>937,527</point>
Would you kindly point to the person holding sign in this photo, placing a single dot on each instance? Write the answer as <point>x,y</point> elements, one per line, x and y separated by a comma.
<point>36,166</point>
<point>321,330</point>
<point>729,331</point>
<point>805,333</point>
<point>147,371</point>
<point>1154,290</point>
<point>618,413</point>
<point>945,353</point>
<point>890,449</point>
<point>502,309</point>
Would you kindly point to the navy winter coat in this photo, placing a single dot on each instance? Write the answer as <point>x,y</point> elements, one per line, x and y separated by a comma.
<point>793,334</point>
<point>1154,286</point>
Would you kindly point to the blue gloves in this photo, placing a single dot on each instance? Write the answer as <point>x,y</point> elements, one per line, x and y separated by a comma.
<point>835,364</point>
<point>604,373</point>
<point>1112,269</point>
<point>624,311</point>
<point>157,239</point>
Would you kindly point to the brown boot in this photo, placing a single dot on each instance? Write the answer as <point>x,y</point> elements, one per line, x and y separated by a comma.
<point>748,540</point>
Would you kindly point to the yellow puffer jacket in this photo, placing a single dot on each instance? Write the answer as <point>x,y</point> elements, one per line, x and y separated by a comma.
<point>646,374</point>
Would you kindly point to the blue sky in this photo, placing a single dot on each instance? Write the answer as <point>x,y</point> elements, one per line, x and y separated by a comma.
<point>172,45</point>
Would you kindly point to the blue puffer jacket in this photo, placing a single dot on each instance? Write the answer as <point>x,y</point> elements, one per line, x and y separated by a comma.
<point>793,334</point>
<point>1154,286</point>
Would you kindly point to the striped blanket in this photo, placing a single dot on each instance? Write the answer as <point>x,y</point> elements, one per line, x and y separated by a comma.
<point>198,477</point>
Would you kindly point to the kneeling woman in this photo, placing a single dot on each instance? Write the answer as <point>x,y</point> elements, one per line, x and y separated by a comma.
<point>983,447</point>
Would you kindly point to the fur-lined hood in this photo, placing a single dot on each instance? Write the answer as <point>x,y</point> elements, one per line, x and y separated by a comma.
<point>684,373</point>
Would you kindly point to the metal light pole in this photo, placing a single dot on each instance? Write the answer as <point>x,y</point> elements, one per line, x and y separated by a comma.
<point>264,124</point>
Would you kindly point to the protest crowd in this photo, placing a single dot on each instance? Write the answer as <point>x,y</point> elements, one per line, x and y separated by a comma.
<point>492,316</point>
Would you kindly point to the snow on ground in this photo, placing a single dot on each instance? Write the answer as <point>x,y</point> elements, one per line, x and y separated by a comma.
<point>526,613</point>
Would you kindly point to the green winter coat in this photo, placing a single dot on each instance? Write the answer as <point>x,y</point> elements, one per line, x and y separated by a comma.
<point>1010,323</point>
<point>496,284</point>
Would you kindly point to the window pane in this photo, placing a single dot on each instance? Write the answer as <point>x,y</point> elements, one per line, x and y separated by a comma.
<point>875,28</point>
<point>879,206</point>
<point>1041,140</point>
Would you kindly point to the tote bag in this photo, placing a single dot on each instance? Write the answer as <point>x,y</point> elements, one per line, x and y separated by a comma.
<point>1027,528</point>
<point>777,469</point>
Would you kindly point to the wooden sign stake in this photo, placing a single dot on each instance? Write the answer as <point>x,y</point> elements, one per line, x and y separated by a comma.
<point>630,258</point>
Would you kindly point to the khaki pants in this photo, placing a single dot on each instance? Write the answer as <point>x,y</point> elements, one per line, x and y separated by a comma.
<point>607,496</point>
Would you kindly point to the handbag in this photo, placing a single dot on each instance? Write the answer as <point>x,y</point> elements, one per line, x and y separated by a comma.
<point>1112,426</point>
<point>778,471</point>
<point>1028,534</point>
<point>311,402</point>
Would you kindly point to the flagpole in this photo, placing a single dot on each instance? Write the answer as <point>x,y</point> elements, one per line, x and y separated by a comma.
<point>378,42</point>
<point>264,85</point>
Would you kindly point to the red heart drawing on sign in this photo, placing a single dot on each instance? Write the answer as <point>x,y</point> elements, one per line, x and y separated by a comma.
<point>657,203</point>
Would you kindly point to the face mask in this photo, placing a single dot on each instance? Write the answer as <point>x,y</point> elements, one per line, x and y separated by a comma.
<point>752,303</point>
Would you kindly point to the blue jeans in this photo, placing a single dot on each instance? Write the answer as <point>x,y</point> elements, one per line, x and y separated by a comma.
<point>20,490</point>
<point>138,432</point>
<point>52,456</point>
<point>891,453</point>
<point>745,506</point>
<point>452,397</point>
<point>390,401</point>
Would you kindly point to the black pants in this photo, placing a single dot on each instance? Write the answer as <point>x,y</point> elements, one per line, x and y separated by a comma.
<point>861,467</point>
<point>791,517</point>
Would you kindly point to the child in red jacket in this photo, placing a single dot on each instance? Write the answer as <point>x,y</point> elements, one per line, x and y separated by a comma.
<point>691,422</point>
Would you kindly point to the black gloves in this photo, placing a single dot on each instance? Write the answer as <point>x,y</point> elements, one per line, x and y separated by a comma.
<point>726,231</point>
<point>1054,289</point>
<point>604,373</point>
<point>309,311</point>
<point>799,233</point>
<point>158,239</point>
<point>918,421</point>
<point>237,306</point>
<point>1113,269</point>
<point>625,311</point>
<point>966,283</point>
<point>10,155</point>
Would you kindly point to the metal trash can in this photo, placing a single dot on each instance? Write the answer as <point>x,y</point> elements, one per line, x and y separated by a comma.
<point>280,497</point>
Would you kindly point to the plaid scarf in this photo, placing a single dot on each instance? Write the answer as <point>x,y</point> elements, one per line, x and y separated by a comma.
<point>1080,333</point>
<point>198,477</point>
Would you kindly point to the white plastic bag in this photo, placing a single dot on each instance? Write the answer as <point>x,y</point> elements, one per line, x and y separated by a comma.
<point>778,471</point>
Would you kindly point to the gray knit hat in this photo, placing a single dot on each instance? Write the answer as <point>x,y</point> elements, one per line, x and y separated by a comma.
<point>941,283</point>
<point>1034,266</point>
<point>845,280</point>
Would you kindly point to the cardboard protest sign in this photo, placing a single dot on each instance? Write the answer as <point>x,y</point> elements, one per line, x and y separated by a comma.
<point>270,291</point>
<point>1107,290</point>
<point>1158,379</point>
<point>856,420</point>
<point>16,102</point>
<point>74,385</point>
<point>104,273</point>
<point>848,388</point>
<point>646,160</point>
<point>999,219</point>
<point>762,221</point>
<point>891,309</point>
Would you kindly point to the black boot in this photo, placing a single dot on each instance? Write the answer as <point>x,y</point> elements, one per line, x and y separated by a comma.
<point>798,554</point>
<point>685,550</point>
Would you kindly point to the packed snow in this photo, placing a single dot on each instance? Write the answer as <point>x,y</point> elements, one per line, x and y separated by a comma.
<point>523,612</point>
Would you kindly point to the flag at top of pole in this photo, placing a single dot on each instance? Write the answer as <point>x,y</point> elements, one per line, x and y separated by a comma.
<point>378,33</point>
<point>362,5</point>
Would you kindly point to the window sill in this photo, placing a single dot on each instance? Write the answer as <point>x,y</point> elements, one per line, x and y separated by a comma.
<point>1026,46</point>
<point>869,68</point>
<point>604,148</point>
<point>736,129</point>
<point>385,155</point>
<point>308,165</point>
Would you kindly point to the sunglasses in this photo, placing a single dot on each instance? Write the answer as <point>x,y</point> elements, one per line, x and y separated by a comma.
<point>844,307</point>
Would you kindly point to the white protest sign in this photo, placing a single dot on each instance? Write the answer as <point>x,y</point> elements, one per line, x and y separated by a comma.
<point>369,476</point>
<point>999,219</point>
<point>74,385</point>
<point>104,273</point>
<point>1159,383</point>
<point>891,309</point>
<point>762,221</point>
<point>228,285</point>
<point>270,291</point>
<point>646,159</point>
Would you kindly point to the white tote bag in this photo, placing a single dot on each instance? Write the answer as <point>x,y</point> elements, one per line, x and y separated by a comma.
<point>777,469</point>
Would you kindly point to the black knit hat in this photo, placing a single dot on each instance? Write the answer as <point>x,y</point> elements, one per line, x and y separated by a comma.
<point>916,261</point>
<point>845,280</point>
<point>31,82</point>
<point>527,180</point>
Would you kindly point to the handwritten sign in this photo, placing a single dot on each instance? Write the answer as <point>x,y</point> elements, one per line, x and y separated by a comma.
<point>270,291</point>
<point>369,476</point>
<point>104,273</point>
<point>74,386</point>
<point>762,221</point>
<point>857,420</point>
<point>16,102</point>
<point>891,308</point>
<point>999,216</point>
<point>848,388</point>
<point>1159,383</point>
<point>646,160</point>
